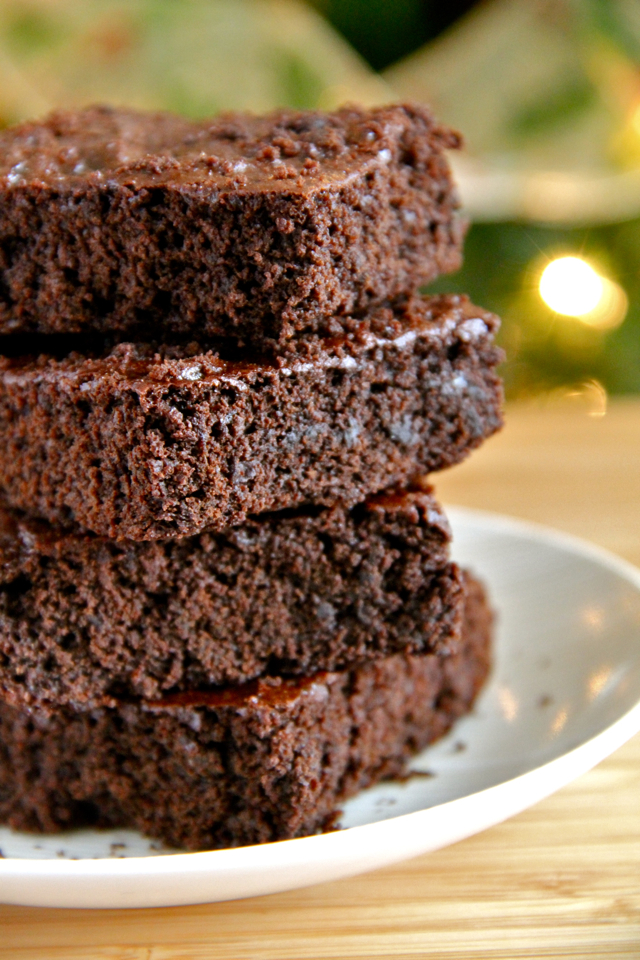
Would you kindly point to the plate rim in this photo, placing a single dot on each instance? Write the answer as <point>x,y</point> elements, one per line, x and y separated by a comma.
<point>235,860</point>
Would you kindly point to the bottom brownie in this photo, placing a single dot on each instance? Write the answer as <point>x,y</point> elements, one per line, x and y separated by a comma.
<point>264,761</point>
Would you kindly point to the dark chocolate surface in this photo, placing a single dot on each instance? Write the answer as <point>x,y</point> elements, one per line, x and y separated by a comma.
<point>268,763</point>
<point>239,227</point>
<point>84,620</point>
<point>154,442</point>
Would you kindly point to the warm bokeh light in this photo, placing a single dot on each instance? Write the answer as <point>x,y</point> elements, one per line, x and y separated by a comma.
<point>611,310</point>
<point>592,398</point>
<point>570,286</point>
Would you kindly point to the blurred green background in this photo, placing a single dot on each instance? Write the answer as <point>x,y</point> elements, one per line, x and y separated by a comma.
<point>547,93</point>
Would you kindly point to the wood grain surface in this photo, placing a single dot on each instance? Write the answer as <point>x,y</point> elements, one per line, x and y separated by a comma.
<point>561,880</point>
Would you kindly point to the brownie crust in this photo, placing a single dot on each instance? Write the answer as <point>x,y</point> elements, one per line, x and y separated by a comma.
<point>267,761</point>
<point>84,620</point>
<point>151,442</point>
<point>240,227</point>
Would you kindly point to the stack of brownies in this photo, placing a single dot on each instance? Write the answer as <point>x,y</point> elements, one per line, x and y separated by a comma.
<point>226,597</point>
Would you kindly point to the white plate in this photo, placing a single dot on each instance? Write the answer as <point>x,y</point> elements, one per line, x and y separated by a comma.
<point>564,693</point>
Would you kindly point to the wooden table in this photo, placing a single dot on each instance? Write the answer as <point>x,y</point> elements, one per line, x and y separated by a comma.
<point>560,880</point>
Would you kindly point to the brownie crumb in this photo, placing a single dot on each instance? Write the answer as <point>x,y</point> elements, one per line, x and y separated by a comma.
<point>249,228</point>
<point>85,621</point>
<point>237,766</point>
<point>155,442</point>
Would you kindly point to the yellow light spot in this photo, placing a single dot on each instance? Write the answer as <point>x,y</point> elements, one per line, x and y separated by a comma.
<point>570,286</point>
<point>611,310</point>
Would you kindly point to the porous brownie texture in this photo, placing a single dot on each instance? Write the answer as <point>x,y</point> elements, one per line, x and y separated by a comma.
<point>241,227</point>
<point>85,620</point>
<point>154,442</point>
<point>267,761</point>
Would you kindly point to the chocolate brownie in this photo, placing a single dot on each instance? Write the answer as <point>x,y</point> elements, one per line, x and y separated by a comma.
<point>151,442</point>
<point>266,761</point>
<point>242,227</point>
<point>84,620</point>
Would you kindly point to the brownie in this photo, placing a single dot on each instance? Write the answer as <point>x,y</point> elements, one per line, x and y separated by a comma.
<point>148,442</point>
<point>260,762</point>
<point>84,620</point>
<point>241,227</point>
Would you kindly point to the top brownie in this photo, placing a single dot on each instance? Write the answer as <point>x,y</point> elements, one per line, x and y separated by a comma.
<point>246,228</point>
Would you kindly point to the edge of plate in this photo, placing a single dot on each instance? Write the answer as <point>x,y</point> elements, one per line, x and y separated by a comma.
<point>545,534</point>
